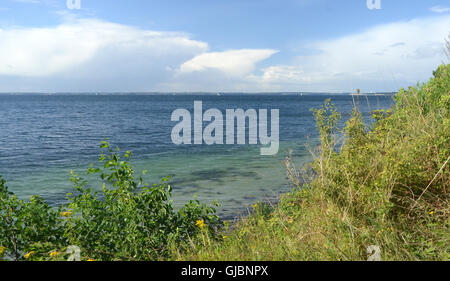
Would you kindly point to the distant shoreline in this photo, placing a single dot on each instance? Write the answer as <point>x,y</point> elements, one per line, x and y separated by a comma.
<point>192,93</point>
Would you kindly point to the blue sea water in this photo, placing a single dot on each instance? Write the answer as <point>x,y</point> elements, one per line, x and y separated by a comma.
<point>43,137</point>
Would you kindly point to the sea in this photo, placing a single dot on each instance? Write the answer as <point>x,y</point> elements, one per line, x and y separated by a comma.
<point>45,136</point>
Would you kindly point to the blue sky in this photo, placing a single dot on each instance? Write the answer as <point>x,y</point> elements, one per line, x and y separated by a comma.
<point>218,45</point>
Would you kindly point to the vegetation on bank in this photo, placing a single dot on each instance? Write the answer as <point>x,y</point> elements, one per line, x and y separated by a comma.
<point>387,186</point>
<point>127,220</point>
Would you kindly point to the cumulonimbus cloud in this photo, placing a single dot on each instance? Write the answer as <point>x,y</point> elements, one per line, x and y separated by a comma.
<point>40,52</point>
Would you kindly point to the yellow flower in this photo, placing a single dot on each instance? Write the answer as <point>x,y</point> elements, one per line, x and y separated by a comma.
<point>432,213</point>
<point>200,223</point>
<point>54,254</point>
<point>255,206</point>
<point>2,250</point>
<point>66,214</point>
<point>27,256</point>
<point>90,260</point>
<point>224,237</point>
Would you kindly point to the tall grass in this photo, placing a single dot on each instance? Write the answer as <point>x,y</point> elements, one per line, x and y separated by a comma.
<point>386,186</point>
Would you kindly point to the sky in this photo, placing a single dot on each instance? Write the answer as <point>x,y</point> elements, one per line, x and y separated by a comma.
<point>220,45</point>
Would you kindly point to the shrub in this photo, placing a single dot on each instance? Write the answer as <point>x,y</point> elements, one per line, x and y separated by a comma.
<point>127,220</point>
<point>32,228</point>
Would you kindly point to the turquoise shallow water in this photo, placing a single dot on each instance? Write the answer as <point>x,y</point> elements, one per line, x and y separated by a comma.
<point>43,137</point>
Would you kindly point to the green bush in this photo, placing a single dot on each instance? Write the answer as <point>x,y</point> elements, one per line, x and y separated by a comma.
<point>127,220</point>
<point>28,227</point>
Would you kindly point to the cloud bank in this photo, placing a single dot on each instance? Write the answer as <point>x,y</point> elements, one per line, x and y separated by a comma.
<point>384,57</point>
<point>94,55</point>
<point>91,55</point>
<point>41,52</point>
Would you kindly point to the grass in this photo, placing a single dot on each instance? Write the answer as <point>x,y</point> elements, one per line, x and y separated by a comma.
<point>387,186</point>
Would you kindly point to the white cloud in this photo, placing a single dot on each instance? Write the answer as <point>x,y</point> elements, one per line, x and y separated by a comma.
<point>233,63</point>
<point>90,55</point>
<point>440,9</point>
<point>94,55</point>
<point>383,57</point>
<point>41,52</point>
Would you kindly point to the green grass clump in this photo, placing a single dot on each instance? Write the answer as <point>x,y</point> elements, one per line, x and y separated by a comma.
<point>387,185</point>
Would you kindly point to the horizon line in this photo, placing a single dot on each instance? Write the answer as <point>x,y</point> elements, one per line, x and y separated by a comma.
<point>190,93</point>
